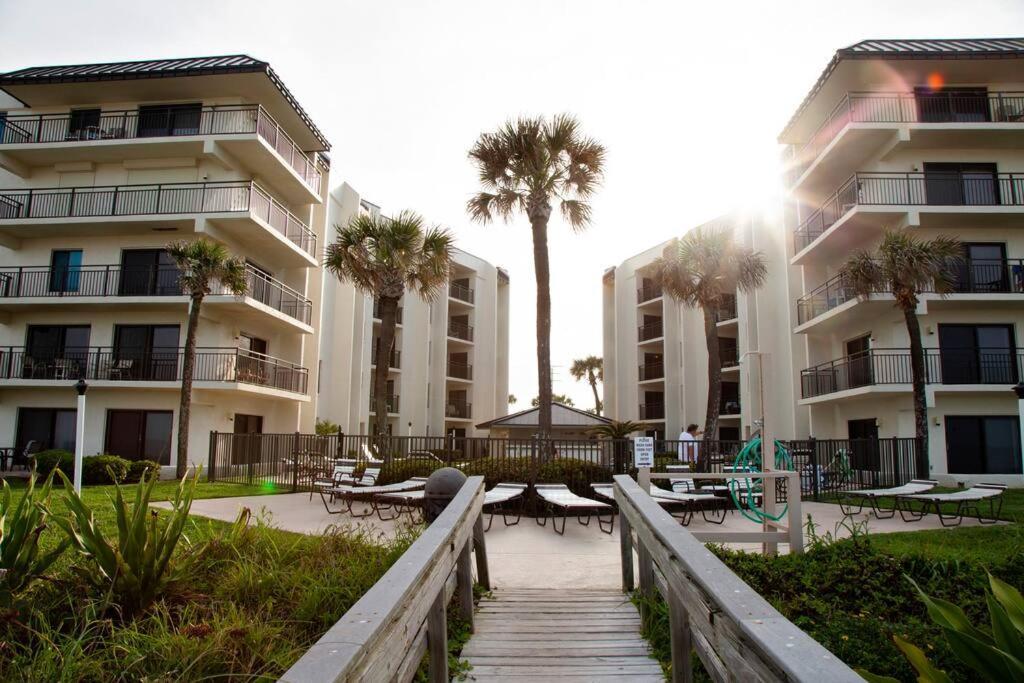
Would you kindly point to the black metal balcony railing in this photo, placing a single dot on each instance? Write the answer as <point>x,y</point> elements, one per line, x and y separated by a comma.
<point>650,331</point>
<point>170,122</point>
<point>461,292</point>
<point>951,106</point>
<point>647,292</point>
<point>396,358</point>
<point>151,365</point>
<point>893,366</point>
<point>972,276</point>
<point>391,401</point>
<point>154,200</point>
<point>912,189</point>
<point>652,411</point>
<point>461,331</point>
<point>726,310</point>
<point>140,281</point>
<point>376,312</point>
<point>460,370</point>
<point>459,409</point>
<point>652,370</point>
<point>729,407</point>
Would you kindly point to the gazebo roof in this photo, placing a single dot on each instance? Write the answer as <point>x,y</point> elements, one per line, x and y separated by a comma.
<point>561,416</point>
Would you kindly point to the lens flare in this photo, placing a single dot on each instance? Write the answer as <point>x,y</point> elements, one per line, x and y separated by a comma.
<point>936,81</point>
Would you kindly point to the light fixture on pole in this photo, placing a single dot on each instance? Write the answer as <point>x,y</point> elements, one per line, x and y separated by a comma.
<point>81,387</point>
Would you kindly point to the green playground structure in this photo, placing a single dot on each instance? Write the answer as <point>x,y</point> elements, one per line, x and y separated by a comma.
<point>749,460</point>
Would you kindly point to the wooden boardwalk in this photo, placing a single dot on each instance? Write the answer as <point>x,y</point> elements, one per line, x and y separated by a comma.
<point>559,635</point>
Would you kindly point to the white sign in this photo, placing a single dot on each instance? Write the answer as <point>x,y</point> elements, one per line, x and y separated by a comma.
<point>643,451</point>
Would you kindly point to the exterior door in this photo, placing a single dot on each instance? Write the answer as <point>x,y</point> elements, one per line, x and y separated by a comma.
<point>65,271</point>
<point>977,354</point>
<point>961,105</point>
<point>47,427</point>
<point>984,268</point>
<point>858,357</point>
<point>169,119</point>
<point>56,351</point>
<point>148,352</point>
<point>983,444</point>
<point>961,184</point>
<point>148,272</point>
<point>140,434</point>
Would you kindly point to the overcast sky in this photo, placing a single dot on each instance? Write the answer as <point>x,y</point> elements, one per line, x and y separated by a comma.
<point>688,98</point>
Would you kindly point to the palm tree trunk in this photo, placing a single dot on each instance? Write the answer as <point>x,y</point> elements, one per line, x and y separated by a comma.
<point>714,387</point>
<point>593,386</point>
<point>187,371</point>
<point>539,222</point>
<point>918,379</point>
<point>385,344</point>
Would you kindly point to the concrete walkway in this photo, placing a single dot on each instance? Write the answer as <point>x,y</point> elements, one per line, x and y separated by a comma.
<point>528,555</point>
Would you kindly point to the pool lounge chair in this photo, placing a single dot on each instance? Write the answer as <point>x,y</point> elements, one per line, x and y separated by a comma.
<point>344,473</point>
<point>847,499</point>
<point>402,501</point>
<point>498,500</point>
<point>366,494</point>
<point>966,501</point>
<point>559,496</point>
<point>689,502</point>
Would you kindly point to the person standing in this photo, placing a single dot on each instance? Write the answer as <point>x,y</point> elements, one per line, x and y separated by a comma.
<point>689,445</point>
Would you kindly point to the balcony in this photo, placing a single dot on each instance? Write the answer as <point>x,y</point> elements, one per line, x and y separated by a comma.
<point>395,361</point>
<point>241,208</point>
<point>461,293</point>
<point>376,313</point>
<point>652,411</point>
<point>391,401</point>
<point>20,366</point>
<point>462,331</point>
<point>726,310</point>
<point>861,122</point>
<point>246,132</point>
<point>459,410</point>
<point>972,276</point>
<point>651,371</point>
<point>649,291</point>
<point>729,407</point>
<point>460,370</point>
<point>31,286</point>
<point>650,331</point>
<point>890,369</point>
<point>870,201</point>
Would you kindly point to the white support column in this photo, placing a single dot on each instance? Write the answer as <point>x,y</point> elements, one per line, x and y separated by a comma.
<point>81,388</point>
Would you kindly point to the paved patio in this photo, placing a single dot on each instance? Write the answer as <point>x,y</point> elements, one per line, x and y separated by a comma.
<point>528,555</point>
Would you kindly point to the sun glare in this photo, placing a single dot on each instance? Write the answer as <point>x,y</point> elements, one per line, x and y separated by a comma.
<point>935,81</point>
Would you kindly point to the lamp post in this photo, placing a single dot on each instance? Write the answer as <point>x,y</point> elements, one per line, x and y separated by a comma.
<point>1019,390</point>
<point>81,387</point>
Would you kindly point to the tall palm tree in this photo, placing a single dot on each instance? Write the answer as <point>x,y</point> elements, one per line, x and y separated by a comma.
<point>524,166</point>
<point>904,266</point>
<point>512,399</point>
<point>703,269</point>
<point>382,257</point>
<point>200,263</point>
<point>592,368</point>
<point>618,432</point>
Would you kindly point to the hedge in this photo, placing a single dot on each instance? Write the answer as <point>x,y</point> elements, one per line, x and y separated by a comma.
<point>94,467</point>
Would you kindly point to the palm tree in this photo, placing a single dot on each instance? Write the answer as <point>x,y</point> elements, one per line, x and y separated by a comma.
<point>702,269</point>
<point>904,266</point>
<point>592,368</point>
<point>200,263</point>
<point>524,166</point>
<point>555,398</point>
<point>512,400</point>
<point>618,432</point>
<point>382,257</point>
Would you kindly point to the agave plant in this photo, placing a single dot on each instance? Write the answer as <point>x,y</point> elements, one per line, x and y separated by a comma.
<point>136,566</point>
<point>21,525</point>
<point>995,655</point>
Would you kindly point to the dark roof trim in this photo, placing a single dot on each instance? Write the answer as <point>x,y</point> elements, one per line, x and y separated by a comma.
<point>967,48</point>
<point>484,425</point>
<point>158,68</point>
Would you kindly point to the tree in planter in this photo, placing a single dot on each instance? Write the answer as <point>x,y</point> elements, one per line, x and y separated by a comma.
<point>524,166</point>
<point>382,257</point>
<point>592,368</point>
<point>200,263</point>
<point>618,432</point>
<point>905,266</point>
<point>702,270</point>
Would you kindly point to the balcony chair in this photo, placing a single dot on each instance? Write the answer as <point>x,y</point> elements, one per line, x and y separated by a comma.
<point>120,369</point>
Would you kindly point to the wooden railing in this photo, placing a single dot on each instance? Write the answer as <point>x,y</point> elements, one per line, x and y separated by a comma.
<point>385,635</point>
<point>737,634</point>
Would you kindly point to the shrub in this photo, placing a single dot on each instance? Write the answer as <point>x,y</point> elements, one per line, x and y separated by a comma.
<point>20,528</point>
<point>137,469</point>
<point>395,471</point>
<point>56,458</point>
<point>94,467</point>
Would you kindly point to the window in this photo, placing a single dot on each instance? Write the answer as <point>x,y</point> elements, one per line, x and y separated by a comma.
<point>65,270</point>
<point>84,124</point>
<point>984,268</point>
<point>983,444</point>
<point>148,272</point>
<point>730,404</point>
<point>147,352</point>
<point>56,351</point>
<point>952,105</point>
<point>961,184</point>
<point>169,119</point>
<point>977,354</point>
<point>48,427</point>
<point>140,434</point>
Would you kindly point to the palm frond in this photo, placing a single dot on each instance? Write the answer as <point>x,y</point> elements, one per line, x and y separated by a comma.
<point>201,262</point>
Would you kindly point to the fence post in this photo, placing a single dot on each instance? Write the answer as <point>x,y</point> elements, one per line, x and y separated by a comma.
<point>338,451</point>
<point>437,640</point>
<point>464,583</point>
<point>295,461</point>
<point>626,547</point>
<point>922,460</point>
<point>647,588</point>
<point>895,452</point>
<point>483,574</point>
<point>815,468</point>
<point>679,634</point>
<point>212,467</point>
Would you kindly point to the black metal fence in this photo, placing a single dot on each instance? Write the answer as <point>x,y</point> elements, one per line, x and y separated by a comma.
<point>294,461</point>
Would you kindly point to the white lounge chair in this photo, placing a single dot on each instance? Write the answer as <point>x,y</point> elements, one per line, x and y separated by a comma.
<point>966,501</point>
<point>872,496</point>
<point>498,498</point>
<point>672,501</point>
<point>367,494</point>
<point>344,473</point>
<point>559,496</point>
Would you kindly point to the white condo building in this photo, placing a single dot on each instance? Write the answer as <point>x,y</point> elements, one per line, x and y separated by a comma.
<point>925,136</point>
<point>102,166</point>
<point>449,368</point>
<point>655,352</point>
